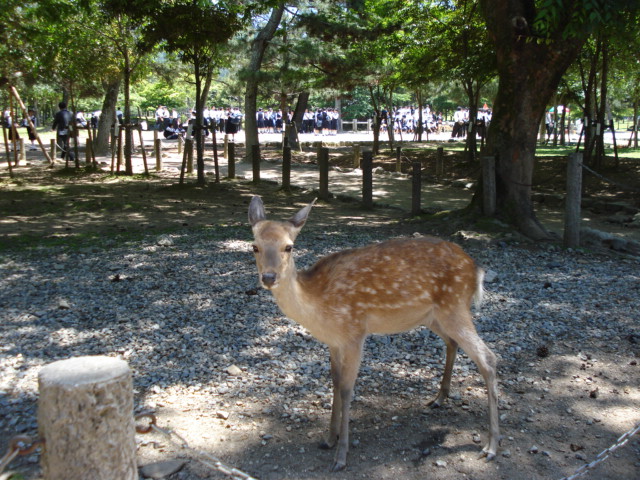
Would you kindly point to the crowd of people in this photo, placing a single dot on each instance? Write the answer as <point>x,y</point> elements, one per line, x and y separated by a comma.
<point>319,121</point>
<point>222,120</point>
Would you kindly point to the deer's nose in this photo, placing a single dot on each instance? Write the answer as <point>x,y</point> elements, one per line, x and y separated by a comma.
<point>268,279</point>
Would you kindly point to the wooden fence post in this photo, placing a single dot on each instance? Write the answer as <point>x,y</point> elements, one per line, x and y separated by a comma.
<point>356,156</point>
<point>53,150</point>
<point>286,169</point>
<point>323,166</point>
<point>231,159</point>
<point>255,162</point>
<point>416,189</point>
<point>87,151</point>
<point>367,179</point>
<point>23,153</point>
<point>85,417</point>
<point>440,162</point>
<point>398,159</point>
<point>489,185</point>
<point>573,199</point>
<point>189,148</point>
<point>157,148</point>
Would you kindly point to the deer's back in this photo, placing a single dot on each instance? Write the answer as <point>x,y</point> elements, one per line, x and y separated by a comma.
<point>406,278</point>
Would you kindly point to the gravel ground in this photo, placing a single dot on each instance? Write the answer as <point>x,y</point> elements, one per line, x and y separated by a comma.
<point>184,309</point>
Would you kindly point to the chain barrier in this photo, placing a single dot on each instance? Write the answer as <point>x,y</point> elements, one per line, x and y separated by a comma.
<point>203,457</point>
<point>602,456</point>
<point>19,445</point>
<point>608,180</point>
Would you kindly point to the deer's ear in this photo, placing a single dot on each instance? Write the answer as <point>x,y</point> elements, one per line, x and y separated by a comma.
<point>299,219</point>
<point>256,211</point>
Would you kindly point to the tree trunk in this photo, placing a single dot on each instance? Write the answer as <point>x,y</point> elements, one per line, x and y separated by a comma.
<point>590,107</point>
<point>602,108</point>
<point>128,136</point>
<point>258,47</point>
<point>377,122</point>
<point>473,94</point>
<point>301,106</point>
<point>523,93</point>
<point>101,142</point>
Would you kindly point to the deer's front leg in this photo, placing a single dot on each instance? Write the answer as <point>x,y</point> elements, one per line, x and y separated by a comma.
<point>346,363</point>
<point>336,406</point>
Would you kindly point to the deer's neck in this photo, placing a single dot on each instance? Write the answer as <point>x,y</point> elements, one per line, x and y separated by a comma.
<point>291,298</point>
<point>288,294</point>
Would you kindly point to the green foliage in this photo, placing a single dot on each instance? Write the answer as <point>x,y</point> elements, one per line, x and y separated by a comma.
<point>573,18</point>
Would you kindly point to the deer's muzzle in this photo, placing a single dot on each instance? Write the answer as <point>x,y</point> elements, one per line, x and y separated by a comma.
<point>268,279</point>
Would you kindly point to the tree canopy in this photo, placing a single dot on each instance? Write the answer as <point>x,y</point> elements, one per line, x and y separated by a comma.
<point>518,56</point>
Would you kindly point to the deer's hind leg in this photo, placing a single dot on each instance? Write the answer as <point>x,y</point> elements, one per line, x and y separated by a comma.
<point>459,327</point>
<point>452,352</point>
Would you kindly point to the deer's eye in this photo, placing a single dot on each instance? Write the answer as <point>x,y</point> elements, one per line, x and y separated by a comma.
<point>255,249</point>
<point>288,248</point>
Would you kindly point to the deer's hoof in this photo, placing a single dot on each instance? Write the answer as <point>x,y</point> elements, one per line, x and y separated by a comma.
<point>324,445</point>
<point>337,466</point>
<point>488,454</point>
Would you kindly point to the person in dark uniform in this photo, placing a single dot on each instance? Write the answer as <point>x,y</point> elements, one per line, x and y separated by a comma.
<point>62,123</point>
<point>234,119</point>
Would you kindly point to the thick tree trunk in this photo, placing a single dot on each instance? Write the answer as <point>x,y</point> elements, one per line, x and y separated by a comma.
<point>258,47</point>
<point>101,142</point>
<point>523,93</point>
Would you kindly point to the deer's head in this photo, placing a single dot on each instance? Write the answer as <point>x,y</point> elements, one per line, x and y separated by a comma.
<point>273,245</point>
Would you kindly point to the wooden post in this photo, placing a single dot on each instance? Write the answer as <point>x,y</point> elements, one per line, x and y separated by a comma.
<point>90,137</point>
<point>23,153</point>
<point>231,160</point>
<point>323,166</point>
<point>489,186</point>
<point>144,153</point>
<point>226,145</point>
<point>180,140</point>
<point>416,190</point>
<point>216,163</point>
<point>87,151</point>
<point>6,146</point>
<point>52,147</point>
<point>367,179</point>
<point>286,169</point>
<point>398,159</point>
<point>356,156</point>
<point>440,162</point>
<point>85,417</point>
<point>355,126</point>
<point>157,148</point>
<point>572,203</point>
<point>255,161</point>
<point>120,149</point>
<point>189,148</point>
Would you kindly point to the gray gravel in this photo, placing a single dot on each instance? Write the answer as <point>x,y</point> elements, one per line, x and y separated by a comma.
<point>184,309</point>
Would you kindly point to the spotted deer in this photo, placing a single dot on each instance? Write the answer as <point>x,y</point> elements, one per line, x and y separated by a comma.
<point>384,288</point>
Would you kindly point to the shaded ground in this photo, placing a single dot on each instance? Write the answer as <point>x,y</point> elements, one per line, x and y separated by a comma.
<point>40,203</point>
